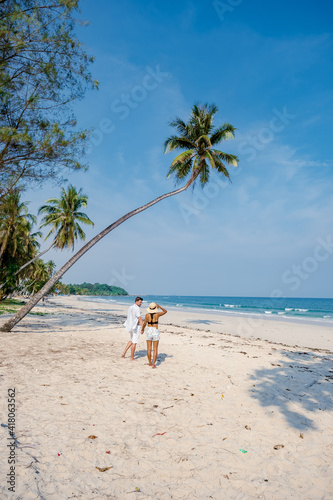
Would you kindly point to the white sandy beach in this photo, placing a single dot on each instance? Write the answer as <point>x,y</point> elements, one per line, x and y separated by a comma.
<point>223,385</point>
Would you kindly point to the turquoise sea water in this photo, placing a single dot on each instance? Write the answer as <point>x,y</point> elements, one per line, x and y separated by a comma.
<point>284,308</point>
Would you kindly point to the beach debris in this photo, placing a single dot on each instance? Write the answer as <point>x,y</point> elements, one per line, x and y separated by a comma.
<point>92,437</point>
<point>247,427</point>
<point>301,436</point>
<point>224,439</point>
<point>313,383</point>
<point>59,454</point>
<point>136,490</point>
<point>155,406</point>
<point>192,394</point>
<point>243,451</point>
<point>225,476</point>
<point>103,469</point>
<point>108,452</point>
<point>222,396</point>
<point>278,446</point>
<point>160,434</point>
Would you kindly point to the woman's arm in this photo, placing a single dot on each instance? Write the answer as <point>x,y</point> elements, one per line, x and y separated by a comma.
<point>162,313</point>
<point>144,324</point>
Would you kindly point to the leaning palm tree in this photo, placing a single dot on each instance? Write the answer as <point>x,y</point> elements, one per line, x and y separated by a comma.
<point>195,140</point>
<point>63,215</point>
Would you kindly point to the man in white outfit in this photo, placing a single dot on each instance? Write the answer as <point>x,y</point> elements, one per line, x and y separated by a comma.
<point>133,325</point>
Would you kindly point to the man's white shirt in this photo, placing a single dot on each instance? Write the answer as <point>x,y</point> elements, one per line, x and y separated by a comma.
<point>133,316</point>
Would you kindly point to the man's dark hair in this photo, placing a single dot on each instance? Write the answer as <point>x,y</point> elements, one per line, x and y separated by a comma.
<point>138,298</point>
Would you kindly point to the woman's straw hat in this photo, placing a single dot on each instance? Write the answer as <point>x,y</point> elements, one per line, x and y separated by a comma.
<point>152,308</point>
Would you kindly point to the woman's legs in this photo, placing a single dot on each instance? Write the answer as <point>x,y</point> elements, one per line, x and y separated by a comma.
<point>155,349</point>
<point>149,342</point>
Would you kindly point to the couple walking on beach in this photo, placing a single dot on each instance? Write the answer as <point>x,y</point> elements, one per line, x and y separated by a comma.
<point>136,326</point>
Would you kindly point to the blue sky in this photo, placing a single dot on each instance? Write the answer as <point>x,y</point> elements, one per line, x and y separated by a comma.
<point>268,68</point>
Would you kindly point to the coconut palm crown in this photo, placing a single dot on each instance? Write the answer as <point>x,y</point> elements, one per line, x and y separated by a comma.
<point>197,139</point>
<point>64,215</point>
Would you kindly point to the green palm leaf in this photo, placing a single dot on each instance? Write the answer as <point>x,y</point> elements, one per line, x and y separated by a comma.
<point>63,215</point>
<point>196,140</point>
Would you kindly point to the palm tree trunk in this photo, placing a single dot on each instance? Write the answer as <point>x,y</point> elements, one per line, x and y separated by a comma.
<point>35,258</point>
<point>27,286</point>
<point>27,263</point>
<point>21,313</point>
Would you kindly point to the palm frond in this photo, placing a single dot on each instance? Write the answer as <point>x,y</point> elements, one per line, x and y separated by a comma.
<point>226,157</point>
<point>223,133</point>
<point>179,125</point>
<point>175,142</point>
<point>183,157</point>
<point>210,159</point>
<point>85,219</point>
<point>183,170</point>
<point>204,174</point>
<point>203,141</point>
<point>223,170</point>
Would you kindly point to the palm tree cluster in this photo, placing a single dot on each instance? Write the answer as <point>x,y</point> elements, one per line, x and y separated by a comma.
<point>21,268</point>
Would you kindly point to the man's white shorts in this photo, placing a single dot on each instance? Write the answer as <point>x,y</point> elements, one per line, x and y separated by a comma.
<point>135,334</point>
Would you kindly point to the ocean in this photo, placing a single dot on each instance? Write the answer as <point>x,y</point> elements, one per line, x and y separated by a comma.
<point>307,310</point>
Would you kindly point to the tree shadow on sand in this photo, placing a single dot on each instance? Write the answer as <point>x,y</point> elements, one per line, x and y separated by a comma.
<point>301,382</point>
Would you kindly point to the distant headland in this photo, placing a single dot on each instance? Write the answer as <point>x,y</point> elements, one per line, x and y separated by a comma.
<point>93,289</point>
